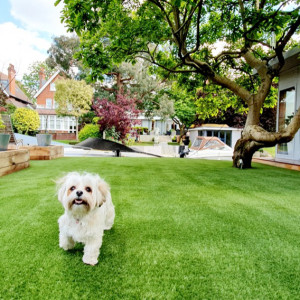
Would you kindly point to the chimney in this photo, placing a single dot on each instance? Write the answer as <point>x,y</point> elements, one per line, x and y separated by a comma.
<point>42,77</point>
<point>12,79</point>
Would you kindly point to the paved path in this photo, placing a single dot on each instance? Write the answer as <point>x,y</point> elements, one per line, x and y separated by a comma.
<point>31,140</point>
<point>71,151</point>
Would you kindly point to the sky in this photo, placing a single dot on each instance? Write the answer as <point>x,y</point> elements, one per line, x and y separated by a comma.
<point>27,28</point>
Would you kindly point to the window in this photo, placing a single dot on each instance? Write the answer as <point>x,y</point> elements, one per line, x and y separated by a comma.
<point>222,136</point>
<point>211,144</point>
<point>228,138</point>
<point>51,123</point>
<point>52,87</point>
<point>285,114</point>
<point>66,123</point>
<point>197,143</point>
<point>48,103</point>
<point>55,105</point>
<point>59,123</point>
<point>41,123</point>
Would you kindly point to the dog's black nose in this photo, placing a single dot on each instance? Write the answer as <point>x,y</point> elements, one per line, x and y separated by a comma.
<point>79,193</point>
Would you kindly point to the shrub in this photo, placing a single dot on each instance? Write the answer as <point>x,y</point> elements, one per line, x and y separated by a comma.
<point>26,120</point>
<point>111,134</point>
<point>89,130</point>
<point>2,126</point>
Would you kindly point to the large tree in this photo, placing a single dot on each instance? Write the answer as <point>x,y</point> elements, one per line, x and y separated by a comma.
<point>62,56</point>
<point>134,80</point>
<point>74,98</point>
<point>181,36</point>
<point>119,115</point>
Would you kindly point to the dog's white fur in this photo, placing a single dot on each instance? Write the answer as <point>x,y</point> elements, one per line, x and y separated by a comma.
<point>89,211</point>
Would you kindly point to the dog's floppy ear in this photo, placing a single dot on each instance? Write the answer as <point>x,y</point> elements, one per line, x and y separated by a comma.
<point>61,187</point>
<point>104,190</point>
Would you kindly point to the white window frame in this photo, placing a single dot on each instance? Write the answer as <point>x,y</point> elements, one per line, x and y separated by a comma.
<point>52,87</point>
<point>47,103</point>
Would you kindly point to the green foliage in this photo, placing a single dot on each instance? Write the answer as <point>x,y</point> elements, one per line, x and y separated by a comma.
<point>140,129</point>
<point>87,118</point>
<point>227,42</point>
<point>61,56</point>
<point>111,134</point>
<point>26,120</point>
<point>213,100</point>
<point>184,105</point>
<point>73,97</point>
<point>2,126</point>
<point>89,130</point>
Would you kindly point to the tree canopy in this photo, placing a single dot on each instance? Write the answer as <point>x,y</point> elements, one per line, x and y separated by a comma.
<point>118,116</point>
<point>74,98</point>
<point>62,56</point>
<point>231,43</point>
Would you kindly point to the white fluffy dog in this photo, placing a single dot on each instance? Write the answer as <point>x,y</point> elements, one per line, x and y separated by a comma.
<point>89,211</point>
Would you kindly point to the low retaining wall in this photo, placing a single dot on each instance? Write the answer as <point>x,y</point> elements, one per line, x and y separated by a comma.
<point>163,149</point>
<point>13,160</point>
<point>150,138</point>
<point>44,153</point>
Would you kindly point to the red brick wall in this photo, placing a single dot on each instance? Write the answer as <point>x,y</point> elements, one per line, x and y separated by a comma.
<point>63,136</point>
<point>46,93</point>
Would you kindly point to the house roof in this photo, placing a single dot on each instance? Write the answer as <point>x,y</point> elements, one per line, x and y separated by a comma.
<point>221,127</point>
<point>18,103</point>
<point>45,111</point>
<point>291,59</point>
<point>19,94</point>
<point>47,83</point>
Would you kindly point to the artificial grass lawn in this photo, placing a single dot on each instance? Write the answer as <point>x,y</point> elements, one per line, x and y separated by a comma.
<point>184,229</point>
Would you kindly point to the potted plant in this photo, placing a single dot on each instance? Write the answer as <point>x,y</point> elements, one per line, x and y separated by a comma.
<point>44,139</point>
<point>4,137</point>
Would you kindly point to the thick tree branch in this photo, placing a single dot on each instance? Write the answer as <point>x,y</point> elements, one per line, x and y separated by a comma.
<point>285,135</point>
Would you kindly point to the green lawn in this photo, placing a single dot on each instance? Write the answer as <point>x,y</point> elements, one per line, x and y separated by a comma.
<point>143,144</point>
<point>184,229</point>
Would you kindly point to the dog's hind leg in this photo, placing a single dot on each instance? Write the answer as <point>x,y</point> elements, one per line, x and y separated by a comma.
<point>110,215</point>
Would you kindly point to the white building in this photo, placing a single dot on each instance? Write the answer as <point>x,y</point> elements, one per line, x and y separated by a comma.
<point>288,104</point>
<point>156,122</point>
<point>226,134</point>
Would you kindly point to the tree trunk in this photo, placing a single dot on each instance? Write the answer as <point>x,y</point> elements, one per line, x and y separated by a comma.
<point>182,132</point>
<point>243,153</point>
<point>254,137</point>
<point>76,118</point>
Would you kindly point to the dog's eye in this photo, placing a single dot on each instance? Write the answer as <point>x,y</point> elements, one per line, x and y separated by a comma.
<point>88,189</point>
<point>72,188</point>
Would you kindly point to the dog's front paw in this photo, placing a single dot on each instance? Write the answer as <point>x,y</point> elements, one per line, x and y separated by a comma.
<point>89,260</point>
<point>66,243</point>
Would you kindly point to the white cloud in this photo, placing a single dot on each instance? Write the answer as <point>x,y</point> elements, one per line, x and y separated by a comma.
<point>20,48</point>
<point>23,44</point>
<point>38,15</point>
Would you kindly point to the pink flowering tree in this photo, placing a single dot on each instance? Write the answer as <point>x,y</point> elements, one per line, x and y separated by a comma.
<point>120,114</point>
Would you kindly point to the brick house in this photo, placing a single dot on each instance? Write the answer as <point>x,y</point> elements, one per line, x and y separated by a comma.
<point>61,128</point>
<point>10,87</point>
